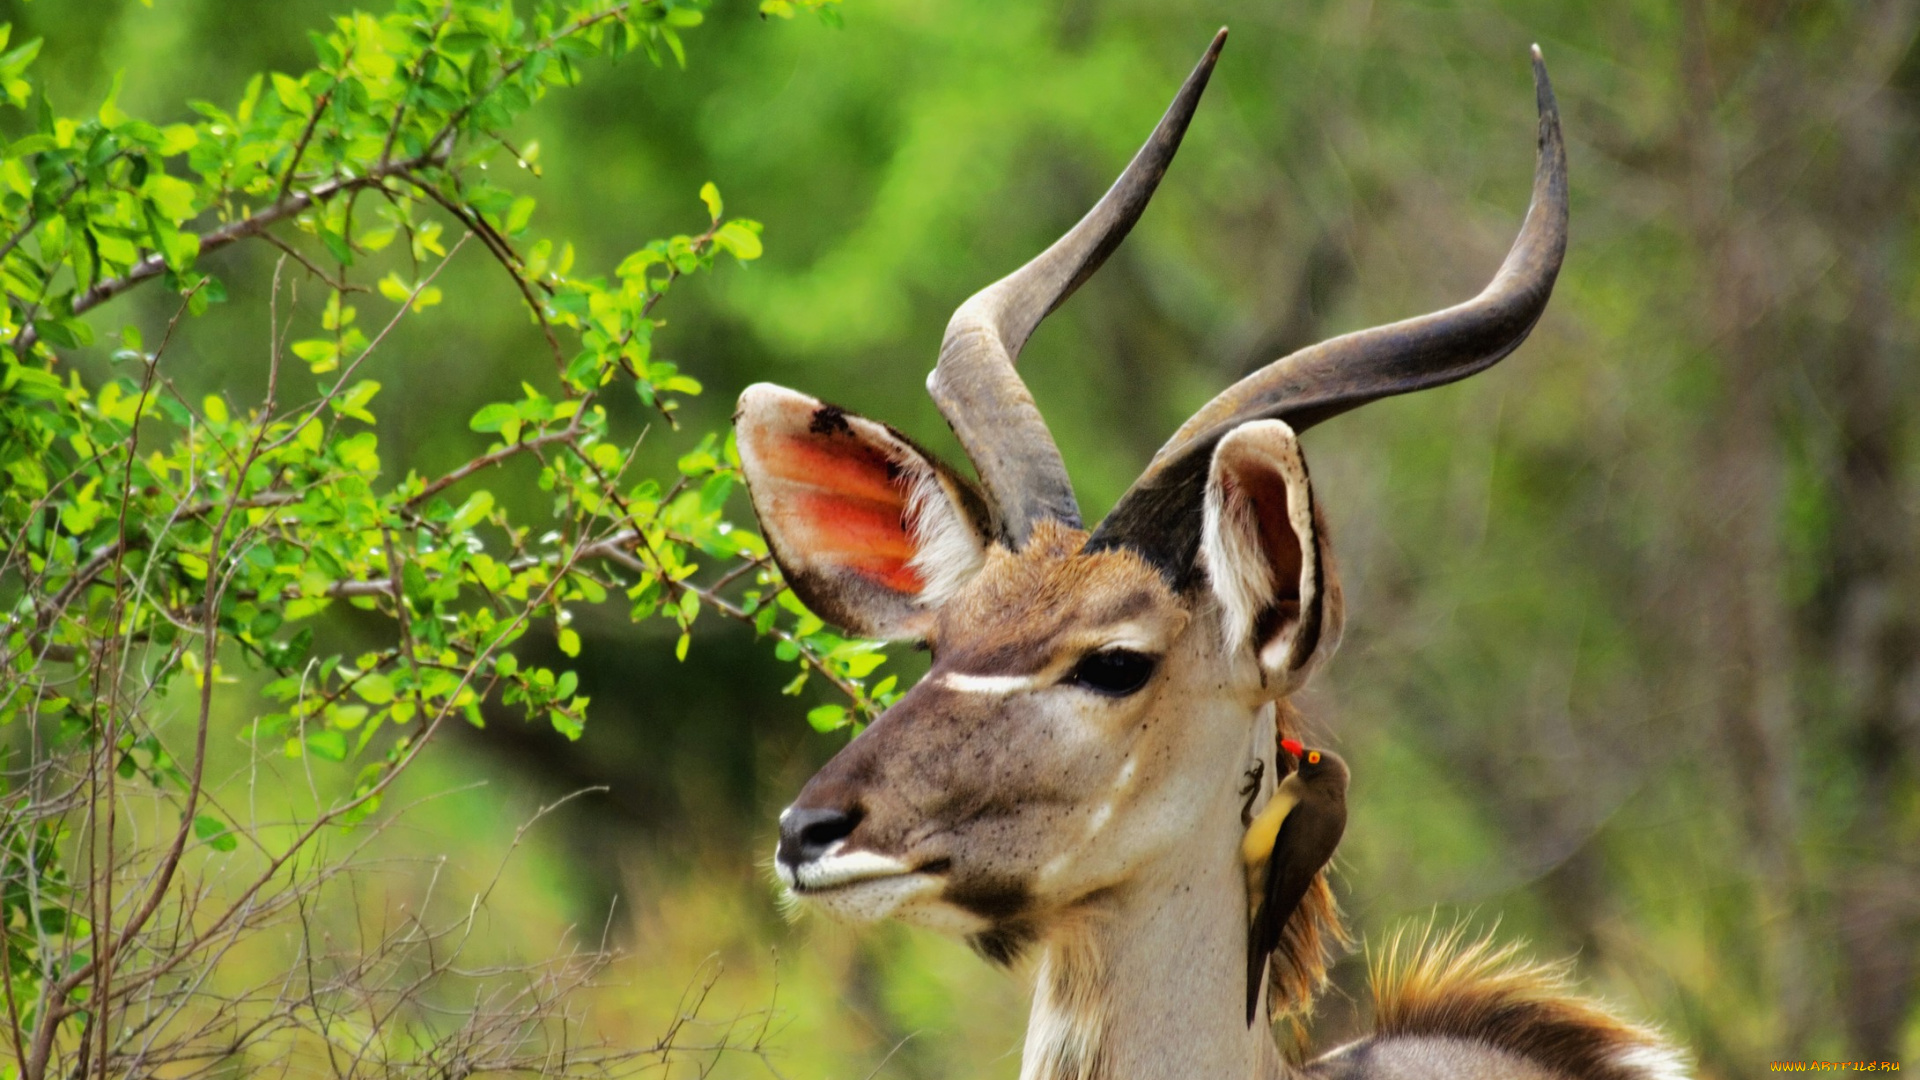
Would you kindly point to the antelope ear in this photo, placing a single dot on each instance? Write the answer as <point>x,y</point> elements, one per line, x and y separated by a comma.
<point>871,531</point>
<point>1267,554</point>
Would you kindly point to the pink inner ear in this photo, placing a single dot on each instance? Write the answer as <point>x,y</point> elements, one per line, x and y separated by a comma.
<point>846,506</point>
<point>1266,494</point>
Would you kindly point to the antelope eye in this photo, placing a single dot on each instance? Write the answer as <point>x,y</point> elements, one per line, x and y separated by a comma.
<point>1115,672</point>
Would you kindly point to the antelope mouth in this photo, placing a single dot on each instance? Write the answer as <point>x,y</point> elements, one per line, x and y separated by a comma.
<point>867,887</point>
<point>837,869</point>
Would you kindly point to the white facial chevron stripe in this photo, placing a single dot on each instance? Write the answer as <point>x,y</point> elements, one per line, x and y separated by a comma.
<point>988,684</point>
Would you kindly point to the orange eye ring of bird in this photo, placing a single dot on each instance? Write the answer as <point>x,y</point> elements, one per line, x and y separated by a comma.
<point>1313,757</point>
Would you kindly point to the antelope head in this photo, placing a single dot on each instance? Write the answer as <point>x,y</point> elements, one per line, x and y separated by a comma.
<point>1096,697</point>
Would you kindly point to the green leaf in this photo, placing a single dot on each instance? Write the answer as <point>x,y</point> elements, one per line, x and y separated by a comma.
<point>328,744</point>
<point>18,59</point>
<point>740,240</point>
<point>590,590</point>
<point>714,492</point>
<point>110,112</point>
<point>494,417</point>
<point>215,833</point>
<point>178,139</point>
<point>825,718</point>
<point>711,196</point>
<point>79,514</point>
<point>292,94</point>
<point>519,215</point>
<point>462,43</point>
<point>353,403</point>
<point>174,198</point>
<point>67,333</point>
<point>473,511</point>
<point>564,724</point>
<point>177,247</point>
<point>415,584</point>
<point>375,689</point>
<point>320,354</point>
<point>337,246</point>
<point>861,666</point>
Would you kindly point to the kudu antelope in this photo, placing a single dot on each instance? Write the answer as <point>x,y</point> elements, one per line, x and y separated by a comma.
<point>1067,780</point>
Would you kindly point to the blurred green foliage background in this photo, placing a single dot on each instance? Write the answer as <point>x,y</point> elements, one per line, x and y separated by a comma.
<point>1633,661</point>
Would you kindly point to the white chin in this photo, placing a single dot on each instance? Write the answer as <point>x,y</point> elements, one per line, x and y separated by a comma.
<point>869,900</point>
<point>862,887</point>
<point>913,899</point>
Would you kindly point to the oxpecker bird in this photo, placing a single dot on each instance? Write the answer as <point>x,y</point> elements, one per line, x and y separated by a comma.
<point>1286,844</point>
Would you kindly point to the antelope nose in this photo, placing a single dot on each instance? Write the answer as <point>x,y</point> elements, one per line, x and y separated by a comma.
<point>806,833</point>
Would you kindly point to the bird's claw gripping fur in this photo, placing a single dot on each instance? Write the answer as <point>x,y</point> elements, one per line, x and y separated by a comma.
<point>1251,790</point>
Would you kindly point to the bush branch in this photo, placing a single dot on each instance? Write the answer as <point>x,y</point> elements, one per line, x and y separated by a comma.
<point>292,206</point>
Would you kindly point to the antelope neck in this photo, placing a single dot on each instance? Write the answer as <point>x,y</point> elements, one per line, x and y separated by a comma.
<point>1150,983</point>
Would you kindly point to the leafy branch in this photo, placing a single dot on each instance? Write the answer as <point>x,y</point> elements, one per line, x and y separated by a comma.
<point>172,566</point>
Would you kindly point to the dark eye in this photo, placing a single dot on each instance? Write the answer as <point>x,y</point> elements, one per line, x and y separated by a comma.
<point>1117,672</point>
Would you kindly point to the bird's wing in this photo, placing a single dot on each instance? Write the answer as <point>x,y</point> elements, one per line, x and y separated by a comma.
<point>1283,890</point>
<point>1304,843</point>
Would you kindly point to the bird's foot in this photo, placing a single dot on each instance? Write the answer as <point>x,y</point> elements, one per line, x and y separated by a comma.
<point>1251,789</point>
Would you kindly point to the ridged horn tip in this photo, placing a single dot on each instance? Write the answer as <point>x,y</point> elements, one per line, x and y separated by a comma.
<point>974,383</point>
<point>1157,517</point>
<point>1543,90</point>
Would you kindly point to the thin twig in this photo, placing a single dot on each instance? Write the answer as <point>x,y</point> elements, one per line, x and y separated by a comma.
<point>619,549</point>
<point>341,383</point>
<point>507,258</point>
<point>300,146</point>
<point>487,461</point>
<point>26,227</point>
<point>507,70</point>
<point>412,82</point>
<point>154,265</point>
<point>109,742</point>
<point>316,271</point>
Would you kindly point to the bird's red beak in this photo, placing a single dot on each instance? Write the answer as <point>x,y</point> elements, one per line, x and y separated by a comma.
<point>1293,746</point>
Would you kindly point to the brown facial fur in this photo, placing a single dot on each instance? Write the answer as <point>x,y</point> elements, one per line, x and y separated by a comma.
<point>989,788</point>
<point>1049,604</point>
